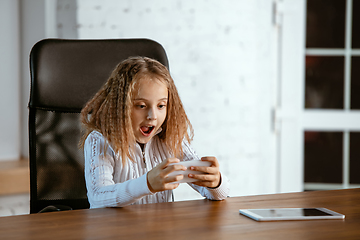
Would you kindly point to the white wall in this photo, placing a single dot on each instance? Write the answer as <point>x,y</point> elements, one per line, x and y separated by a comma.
<point>33,29</point>
<point>22,24</point>
<point>9,80</point>
<point>221,56</point>
<point>66,19</point>
<point>40,19</point>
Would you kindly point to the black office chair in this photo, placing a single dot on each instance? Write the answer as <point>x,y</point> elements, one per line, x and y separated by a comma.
<point>65,74</point>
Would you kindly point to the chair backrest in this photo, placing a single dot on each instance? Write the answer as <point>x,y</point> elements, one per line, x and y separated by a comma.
<point>65,74</point>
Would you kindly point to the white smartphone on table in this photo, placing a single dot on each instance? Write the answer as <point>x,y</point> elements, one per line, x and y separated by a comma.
<point>279,214</point>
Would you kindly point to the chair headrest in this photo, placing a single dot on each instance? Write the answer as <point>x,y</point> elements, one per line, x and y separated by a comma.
<point>65,74</point>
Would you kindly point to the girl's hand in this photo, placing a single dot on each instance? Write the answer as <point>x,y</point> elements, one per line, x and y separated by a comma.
<point>211,176</point>
<point>157,178</point>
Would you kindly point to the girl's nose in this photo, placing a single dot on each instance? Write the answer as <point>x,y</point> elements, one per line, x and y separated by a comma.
<point>151,114</point>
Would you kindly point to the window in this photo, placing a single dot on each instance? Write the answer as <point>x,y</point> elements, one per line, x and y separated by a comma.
<point>332,95</point>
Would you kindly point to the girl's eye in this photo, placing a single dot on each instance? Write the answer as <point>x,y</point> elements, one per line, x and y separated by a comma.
<point>141,106</point>
<point>161,106</point>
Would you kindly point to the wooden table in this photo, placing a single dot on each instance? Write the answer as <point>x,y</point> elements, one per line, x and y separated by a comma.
<point>199,219</point>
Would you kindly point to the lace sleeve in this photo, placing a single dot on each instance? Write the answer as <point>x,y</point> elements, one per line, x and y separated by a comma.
<point>102,191</point>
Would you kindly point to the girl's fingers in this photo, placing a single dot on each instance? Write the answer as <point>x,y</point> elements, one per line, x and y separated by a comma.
<point>173,168</point>
<point>206,180</point>
<point>173,178</point>
<point>204,177</point>
<point>210,170</point>
<point>205,184</point>
<point>213,169</point>
<point>168,161</point>
<point>157,175</point>
<point>171,186</point>
<point>213,160</point>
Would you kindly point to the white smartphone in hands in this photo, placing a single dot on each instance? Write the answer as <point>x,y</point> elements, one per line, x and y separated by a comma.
<point>281,214</point>
<point>188,164</point>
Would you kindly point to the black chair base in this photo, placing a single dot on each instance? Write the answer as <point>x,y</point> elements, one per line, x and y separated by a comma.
<point>55,208</point>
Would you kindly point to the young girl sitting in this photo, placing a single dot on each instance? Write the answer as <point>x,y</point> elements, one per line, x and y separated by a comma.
<point>135,129</point>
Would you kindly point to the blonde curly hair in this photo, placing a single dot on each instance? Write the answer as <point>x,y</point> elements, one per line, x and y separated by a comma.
<point>109,111</point>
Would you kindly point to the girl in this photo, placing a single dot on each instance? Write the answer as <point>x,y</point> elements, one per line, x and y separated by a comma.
<point>135,128</point>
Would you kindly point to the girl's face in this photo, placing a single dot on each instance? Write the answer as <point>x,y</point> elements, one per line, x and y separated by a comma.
<point>149,108</point>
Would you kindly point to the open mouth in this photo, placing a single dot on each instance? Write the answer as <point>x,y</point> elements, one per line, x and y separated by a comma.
<point>147,130</point>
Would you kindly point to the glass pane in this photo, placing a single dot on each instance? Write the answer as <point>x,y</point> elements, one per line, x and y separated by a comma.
<point>356,24</point>
<point>323,157</point>
<point>355,157</point>
<point>324,84</point>
<point>325,26</point>
<point>355,83</point>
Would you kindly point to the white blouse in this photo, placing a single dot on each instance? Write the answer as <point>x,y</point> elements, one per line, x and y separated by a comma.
<point>109,183</point>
